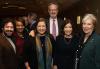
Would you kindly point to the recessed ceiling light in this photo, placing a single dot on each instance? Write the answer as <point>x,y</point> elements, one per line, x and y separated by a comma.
<point>4,7</point>
<point>12,6</point>
<point>6,3</point>
<point>21,7</point>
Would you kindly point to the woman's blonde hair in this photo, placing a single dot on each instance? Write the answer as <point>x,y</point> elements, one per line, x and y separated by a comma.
<point>90,16</point>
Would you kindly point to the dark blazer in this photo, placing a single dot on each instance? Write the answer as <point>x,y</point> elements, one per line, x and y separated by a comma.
<point>90,53</point>
<point>7,54</point>
<point>30,53</point>
<point>60,22</point>
<point>64,52</point>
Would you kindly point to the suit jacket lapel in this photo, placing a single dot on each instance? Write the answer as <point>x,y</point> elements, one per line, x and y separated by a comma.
<point>59,25</point>
<point>8,44</point>
<point>91,37</point>
<point>48,25</point>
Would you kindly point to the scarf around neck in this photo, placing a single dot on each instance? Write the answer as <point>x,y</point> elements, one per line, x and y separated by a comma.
<point>48,50</point>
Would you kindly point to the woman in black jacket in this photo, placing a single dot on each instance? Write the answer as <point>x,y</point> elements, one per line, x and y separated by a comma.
<point>90,44</point>
<point>66,46</point>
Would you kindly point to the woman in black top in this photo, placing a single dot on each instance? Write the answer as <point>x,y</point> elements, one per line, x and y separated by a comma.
<point>66,46</point>
<point>40,48</point>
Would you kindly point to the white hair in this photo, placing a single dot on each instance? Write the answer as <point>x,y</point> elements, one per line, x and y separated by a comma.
<point>89,16</point>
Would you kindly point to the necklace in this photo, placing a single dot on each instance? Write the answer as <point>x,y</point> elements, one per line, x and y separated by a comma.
<point>20,35</point>
<point>67,40</point>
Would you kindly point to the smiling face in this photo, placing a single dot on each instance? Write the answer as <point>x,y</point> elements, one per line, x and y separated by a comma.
<point>41,27</point>
<point>68,29</point>
<point>88,26</point>
<point>8,28</point>
<point>19,27</point>
<point>53,10</point>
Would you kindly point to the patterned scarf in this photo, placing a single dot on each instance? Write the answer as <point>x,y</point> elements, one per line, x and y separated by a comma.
<point>48,50</point>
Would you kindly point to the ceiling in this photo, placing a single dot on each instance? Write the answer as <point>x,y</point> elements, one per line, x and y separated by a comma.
<point>22,7</point>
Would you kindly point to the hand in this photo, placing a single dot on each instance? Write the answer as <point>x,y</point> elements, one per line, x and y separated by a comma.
<point>32,33</point>
<point>28,68</point>
<point>55,67</point>
<point>27,65</point>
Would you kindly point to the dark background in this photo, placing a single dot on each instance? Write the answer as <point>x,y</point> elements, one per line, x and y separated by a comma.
<point>67,8</point>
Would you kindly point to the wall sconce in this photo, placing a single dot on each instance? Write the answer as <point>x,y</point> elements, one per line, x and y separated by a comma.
<point>78,19</point>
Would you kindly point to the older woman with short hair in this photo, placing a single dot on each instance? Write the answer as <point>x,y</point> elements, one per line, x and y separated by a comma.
<point>90,44</point>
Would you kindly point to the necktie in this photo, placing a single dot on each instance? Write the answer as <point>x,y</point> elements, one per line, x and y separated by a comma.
<point>54,29</point>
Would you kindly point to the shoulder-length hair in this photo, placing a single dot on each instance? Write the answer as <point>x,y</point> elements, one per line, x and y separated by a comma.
<point>41,20</point>
<point>67,21</point>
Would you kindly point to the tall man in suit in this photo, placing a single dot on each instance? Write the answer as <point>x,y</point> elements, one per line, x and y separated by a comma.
<point>54,23</point>
<point>7,46</point>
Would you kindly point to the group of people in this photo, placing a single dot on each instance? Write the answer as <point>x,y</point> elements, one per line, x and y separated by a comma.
<point>49,43</point>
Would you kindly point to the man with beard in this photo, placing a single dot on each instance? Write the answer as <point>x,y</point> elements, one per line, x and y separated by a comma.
<point>7,46</point>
